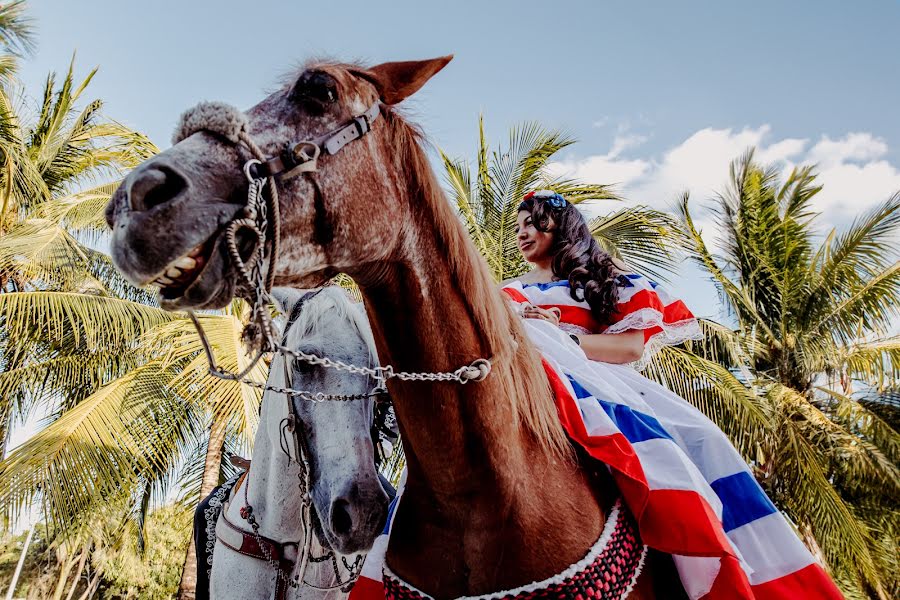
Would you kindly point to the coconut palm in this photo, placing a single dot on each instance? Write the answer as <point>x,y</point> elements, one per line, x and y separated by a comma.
<point>45,231</point>
<point>488,193</point>
<point>16,32</point>
<point>125,382</point>
<point>813,320</point>
<point>487,196</point>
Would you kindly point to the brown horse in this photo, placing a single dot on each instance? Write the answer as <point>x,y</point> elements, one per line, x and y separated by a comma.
<point>495,498</point>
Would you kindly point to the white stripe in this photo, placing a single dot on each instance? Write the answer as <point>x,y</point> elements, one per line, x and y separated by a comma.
<point>558,295</point>
<point>374,562</point>
<point>667,468</point>
<point>770,549</point>
<point>697,574</point>
<point>701,440</point>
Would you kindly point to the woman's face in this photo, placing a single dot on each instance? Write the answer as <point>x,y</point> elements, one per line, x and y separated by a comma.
<point>534,244</point>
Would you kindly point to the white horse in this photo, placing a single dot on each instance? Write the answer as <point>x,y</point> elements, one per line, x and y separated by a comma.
<point>349,503</point>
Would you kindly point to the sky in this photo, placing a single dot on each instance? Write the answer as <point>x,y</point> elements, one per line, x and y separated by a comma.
<point>661,95</point>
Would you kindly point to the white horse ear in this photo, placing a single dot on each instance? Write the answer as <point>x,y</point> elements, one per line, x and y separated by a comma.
<point>285,298</point>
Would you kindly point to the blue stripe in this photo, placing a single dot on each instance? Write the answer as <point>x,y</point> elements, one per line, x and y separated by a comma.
<point>636,276</point>
<point>742,499</point>
<point>390,516</point>
<point>634,425</point>
<point>547,286</point>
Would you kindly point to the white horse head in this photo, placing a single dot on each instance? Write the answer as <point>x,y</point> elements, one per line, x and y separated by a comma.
<point>348,500</point>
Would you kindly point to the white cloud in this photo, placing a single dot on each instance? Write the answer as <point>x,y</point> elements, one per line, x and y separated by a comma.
<point>852,147</point>
<point>852,168</point>
<point>606,168</point>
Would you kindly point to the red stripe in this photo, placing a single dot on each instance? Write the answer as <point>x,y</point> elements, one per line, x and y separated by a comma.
<point>649,333</point>
<point>731,582</point>
<point>367,589</point>
<point>680,521</point>
<point>809,582</point>
<point>575,315</point>
<point>697,530</point>
<point>671,313</point>
<point>516,295</point>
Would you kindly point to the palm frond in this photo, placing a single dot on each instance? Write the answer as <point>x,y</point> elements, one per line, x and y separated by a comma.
<point>717,393</point>
<point>16,29</point>
<point>91,322</point>
<point>641,236</point>
<point>238,401</point>
<point>87,453</point>
<point>801,484</point>
<point>80,211</point>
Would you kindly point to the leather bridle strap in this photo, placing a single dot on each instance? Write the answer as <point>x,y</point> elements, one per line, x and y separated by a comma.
<point>301,156</point>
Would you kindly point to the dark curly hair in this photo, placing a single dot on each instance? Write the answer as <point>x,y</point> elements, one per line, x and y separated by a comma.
<point>577,256</point>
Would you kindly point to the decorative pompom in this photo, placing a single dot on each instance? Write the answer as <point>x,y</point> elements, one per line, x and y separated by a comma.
<point>217,117</point>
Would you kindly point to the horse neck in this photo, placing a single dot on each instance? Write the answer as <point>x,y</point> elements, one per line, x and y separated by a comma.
<point>434,307</point>
<point>274,478</point>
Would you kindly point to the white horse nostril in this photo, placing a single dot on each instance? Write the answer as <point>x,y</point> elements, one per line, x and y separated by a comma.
<point>341,519</point>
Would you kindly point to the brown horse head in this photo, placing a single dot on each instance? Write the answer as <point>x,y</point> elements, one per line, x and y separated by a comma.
<point>169,214</point>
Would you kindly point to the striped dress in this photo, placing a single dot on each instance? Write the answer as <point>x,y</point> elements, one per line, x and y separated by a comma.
<point>691,492</point>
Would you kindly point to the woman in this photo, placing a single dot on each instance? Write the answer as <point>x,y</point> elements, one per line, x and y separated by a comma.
<point>596,324</point>
<point>616,316</point>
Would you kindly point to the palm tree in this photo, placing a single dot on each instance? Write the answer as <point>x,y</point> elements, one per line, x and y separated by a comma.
<point>813,320</point>
<point>45,227</point>
<point>16,32</point>
<point>645,238</point>
<point>126,382</point>
<point>487,196</point>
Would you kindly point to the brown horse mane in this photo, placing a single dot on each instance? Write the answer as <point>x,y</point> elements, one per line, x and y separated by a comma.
<point>502,330</point>
<point>534,405</point>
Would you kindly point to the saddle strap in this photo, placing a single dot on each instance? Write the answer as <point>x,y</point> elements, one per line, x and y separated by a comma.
<point>261,548</point>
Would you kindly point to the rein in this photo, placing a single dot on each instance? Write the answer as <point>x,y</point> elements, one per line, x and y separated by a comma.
<point>260,219</point>
<point>254,544</point>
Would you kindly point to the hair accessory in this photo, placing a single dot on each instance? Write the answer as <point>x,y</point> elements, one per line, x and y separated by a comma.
<point>548,196</point>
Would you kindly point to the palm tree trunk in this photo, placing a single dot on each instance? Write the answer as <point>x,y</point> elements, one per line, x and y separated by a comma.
<point>81,563</point>
<point>15,578</point>
<point>91,588</point>
<point>211,469</point>
<point>67,565</point>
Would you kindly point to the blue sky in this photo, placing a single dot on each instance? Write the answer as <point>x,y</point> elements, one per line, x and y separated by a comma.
<point>661,95</point>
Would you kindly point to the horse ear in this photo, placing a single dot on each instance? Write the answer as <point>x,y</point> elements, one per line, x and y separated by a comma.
<point>397,81</point>
<point>285,298</point>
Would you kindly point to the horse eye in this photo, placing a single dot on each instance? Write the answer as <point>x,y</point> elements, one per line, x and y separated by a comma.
<point>315,89</point>
<point>303,367</point>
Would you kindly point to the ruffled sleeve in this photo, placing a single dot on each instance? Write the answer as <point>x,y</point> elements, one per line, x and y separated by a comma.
<point>645,305</point>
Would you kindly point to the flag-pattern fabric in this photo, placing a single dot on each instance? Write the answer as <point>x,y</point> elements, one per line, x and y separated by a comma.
<point>691,492</point>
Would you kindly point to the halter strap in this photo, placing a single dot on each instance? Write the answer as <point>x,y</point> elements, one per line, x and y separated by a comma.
<point>301,156</point>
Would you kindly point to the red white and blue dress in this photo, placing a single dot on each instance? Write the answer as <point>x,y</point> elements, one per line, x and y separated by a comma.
<point>692,494</point>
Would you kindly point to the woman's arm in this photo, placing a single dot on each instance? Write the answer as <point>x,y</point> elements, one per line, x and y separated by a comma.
<point>616,348</point>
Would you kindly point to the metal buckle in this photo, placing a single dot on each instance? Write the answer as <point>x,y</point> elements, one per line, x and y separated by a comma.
<point>249,165</point>
<point>305,154</point>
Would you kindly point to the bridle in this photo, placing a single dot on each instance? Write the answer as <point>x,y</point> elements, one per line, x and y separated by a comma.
<point>260,220</point>
<point>290,572</point>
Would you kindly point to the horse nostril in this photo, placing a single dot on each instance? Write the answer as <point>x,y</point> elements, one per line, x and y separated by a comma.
<point>341,520</point>
<point>154,186</point>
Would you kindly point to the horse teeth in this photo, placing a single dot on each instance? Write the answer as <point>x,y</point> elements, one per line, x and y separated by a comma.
<point>196,251</point>
<point>185,263</point>
<point>173,272</point>
<point>164,280</point>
